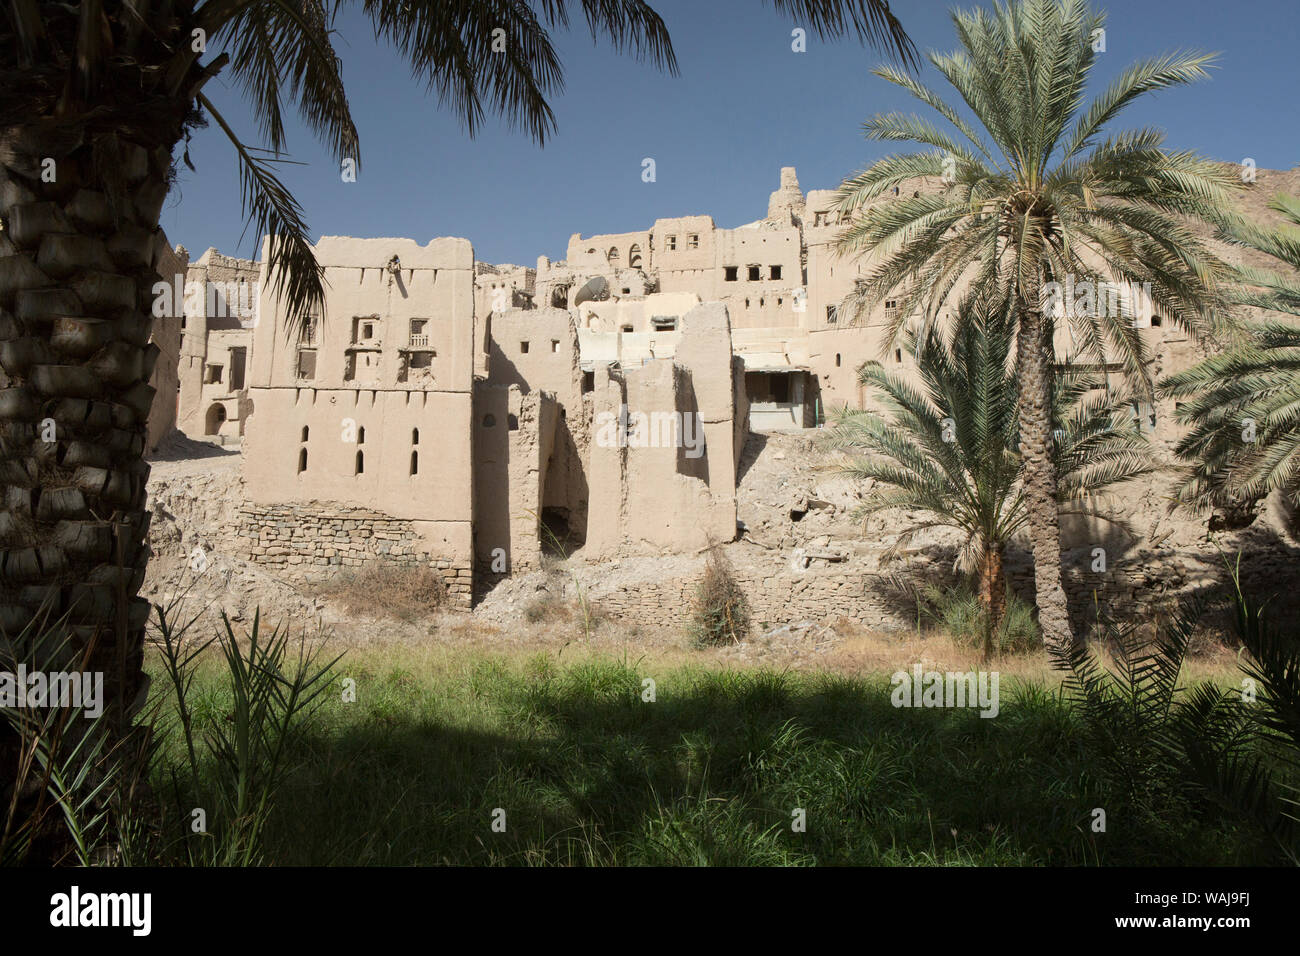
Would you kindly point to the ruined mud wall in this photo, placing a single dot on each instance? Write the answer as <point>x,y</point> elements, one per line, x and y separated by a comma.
<point>307,543</point>
<point>1150,585</point>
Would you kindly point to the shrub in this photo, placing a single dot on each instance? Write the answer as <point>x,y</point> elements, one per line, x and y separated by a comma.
<point>555,609</point>
<point>958,611</point>
<point>721,613</point>
<point>1166,755</point>
<point>385,588</point>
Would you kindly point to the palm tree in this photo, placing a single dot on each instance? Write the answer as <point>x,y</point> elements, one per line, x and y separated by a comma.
<point>948,445</point>
<point>1244,440</point>
<point>95,96</point>
<point>1034,195</point>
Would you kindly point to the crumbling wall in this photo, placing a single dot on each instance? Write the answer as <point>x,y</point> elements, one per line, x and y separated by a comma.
<point>219,310</point>
<point>514,438</point>
<point>780,589</point>
<point>314,542</point>
<point>662,463</point>
<point>166,335</point>
<point>549,362</point>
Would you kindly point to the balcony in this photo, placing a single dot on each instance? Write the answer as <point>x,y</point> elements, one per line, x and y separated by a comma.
<point>419,341</point>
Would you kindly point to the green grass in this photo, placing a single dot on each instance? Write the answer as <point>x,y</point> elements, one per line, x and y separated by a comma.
<point>709,773</point>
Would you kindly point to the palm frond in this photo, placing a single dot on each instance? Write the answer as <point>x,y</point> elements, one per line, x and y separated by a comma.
<point>295,275</point>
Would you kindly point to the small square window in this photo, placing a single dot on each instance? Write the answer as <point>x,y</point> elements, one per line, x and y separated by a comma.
<point>832,315</point>
<point>754,273</point>
<point>523,348</point>
<point>730,273</point>
<point>555,345</point>
<point>774,272</point>
<point>670,242</point>
<point>693,241</point>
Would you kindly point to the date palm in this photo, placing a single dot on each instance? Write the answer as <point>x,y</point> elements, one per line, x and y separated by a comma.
<point>947,444</point>
<point>1036,190</point>
<point>95,96</point>
<point>1244,435</point>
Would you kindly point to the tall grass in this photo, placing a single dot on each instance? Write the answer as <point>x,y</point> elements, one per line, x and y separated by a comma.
<point>589,772</point>
<point>620,761</point>
<point>235,757</point>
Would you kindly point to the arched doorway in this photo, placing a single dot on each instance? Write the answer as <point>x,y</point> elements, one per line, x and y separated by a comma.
<point>215,418</point>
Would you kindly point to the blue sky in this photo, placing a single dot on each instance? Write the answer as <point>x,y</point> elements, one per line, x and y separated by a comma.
<point>743,106</point>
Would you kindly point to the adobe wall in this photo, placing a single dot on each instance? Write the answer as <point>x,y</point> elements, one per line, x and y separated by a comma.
<point>373,432</point>
<point>515,434</point>
<point>214,324</point>
<point>551,359</point>
<point>549,365</point>
<point>648,495</point>
<point>501,287</point>
<point>166,334</point>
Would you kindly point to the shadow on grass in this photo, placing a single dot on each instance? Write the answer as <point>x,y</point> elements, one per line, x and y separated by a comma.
<point>715,770</point>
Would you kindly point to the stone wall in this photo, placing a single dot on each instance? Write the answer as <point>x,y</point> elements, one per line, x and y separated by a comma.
<point>774,598</point>
<point>1147,585</point>
<point>317,542</point>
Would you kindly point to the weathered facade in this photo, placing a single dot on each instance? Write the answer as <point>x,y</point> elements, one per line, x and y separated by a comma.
<point>216,341</point>
<point>166,334</point>
<point>783,284</point>
<point>474,417</point>
<point>377,407</point>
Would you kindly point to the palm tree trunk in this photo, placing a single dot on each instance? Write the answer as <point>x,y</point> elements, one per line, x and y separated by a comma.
<point>78,254</point>
<point>993,594</point>
<point>1034,370</point>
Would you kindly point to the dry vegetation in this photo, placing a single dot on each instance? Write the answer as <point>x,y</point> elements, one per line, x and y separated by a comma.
<point>385,589</point>
<point>721,614</point>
